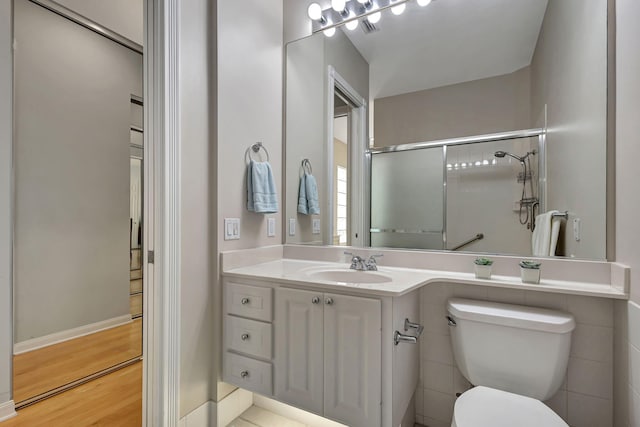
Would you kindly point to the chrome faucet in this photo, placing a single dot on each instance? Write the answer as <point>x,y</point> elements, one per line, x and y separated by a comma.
<point>360,264</point>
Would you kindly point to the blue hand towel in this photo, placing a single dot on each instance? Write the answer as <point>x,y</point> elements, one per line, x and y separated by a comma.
<point>311,187</point>
<point>261,188</point>
<point>302,196</point>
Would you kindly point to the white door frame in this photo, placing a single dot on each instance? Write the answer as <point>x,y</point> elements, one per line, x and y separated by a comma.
<point>161,322</point>
<point>358,163</point>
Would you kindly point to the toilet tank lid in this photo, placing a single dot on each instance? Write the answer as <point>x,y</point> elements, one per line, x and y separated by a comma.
<point>517,316</point>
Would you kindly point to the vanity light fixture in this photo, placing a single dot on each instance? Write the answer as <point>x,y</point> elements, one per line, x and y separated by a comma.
<point>340,6</point>
<point>349,12</point>
<point>423,3</point>
<point>399,9</point>
<point>314,11</point>
<point>374,18</point>
<point>329,32</point>
<point>352,25</point>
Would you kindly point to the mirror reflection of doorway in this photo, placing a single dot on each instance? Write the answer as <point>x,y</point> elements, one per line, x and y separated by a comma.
<point>78,202</point>
<point>341,170</point>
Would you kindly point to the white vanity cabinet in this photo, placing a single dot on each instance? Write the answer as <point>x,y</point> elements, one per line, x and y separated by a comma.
<point>328,354</point>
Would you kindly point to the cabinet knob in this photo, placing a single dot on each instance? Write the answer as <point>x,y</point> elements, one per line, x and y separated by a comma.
<point>244,337</point>
<point>328,301</point>
<point>245,301</point>
<point>244,374</point>
<point>315,300</point>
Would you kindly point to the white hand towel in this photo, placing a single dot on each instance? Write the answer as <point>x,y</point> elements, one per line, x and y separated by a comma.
<point>545,235</point>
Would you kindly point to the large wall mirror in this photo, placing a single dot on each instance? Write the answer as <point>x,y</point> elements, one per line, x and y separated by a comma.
<point>483,129</point>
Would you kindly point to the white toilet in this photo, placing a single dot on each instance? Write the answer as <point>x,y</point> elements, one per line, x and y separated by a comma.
<point>516,356</point>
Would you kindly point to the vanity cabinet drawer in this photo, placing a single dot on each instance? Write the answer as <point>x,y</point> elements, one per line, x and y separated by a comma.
<point>248,373</point>
<point>248,301</point>
<point>248,336</point>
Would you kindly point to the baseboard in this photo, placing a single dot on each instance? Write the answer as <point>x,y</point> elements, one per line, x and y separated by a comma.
<point>232,406</point>
<point>69,334</point>
<point>7,410</point>
<point>218,414</point>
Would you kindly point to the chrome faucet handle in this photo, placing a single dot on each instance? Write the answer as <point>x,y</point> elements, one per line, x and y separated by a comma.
<point>357,262</point>
<point>372,265</point>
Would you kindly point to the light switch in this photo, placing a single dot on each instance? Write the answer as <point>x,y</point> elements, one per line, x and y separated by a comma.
<point>231,228</point>
<point>271,227</point>
<point>292,226</point>
<point>315,225</point>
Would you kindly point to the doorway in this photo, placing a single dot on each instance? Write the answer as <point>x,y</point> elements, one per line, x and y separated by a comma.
<point>78,161</point>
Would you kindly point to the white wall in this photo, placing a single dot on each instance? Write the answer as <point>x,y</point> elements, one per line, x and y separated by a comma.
<point>573,40</point>
<point>6,111</point>
<point>72,126</point>
<point>627,345</point>
<point>248,108</point>
<point>124,17</point>
<point>495,104</point>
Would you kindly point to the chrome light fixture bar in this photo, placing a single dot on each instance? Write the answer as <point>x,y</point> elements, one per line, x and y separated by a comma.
<point>354,10</point>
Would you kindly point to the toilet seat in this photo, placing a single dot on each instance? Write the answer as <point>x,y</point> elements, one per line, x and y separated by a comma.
<point>488,407</point>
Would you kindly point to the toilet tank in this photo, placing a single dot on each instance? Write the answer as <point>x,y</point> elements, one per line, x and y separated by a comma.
<point>523,350</point>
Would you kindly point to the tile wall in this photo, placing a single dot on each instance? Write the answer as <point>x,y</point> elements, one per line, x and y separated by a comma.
<point>586,397</point>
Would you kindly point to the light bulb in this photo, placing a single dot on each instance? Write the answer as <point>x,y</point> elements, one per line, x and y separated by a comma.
<point>329,32</point>
<point>338,5</point>
<point>314,11</point>
<point>374,17</point>
<point>423,3</point>
<point>397,10</point>
<point>352,25</point>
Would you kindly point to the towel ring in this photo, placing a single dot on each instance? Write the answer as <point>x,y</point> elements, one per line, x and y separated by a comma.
<point>255,148</point>
<point>306,166</point>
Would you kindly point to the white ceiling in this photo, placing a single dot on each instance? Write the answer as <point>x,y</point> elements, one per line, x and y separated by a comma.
<point>448,42</point>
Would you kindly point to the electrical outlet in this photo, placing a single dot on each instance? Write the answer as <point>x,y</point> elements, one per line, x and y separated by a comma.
<point>315,226</point>
<point>271,227</point>
<point>231,228</point>
<point>292,226</point>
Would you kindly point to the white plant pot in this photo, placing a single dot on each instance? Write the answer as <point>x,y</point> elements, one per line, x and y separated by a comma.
<point>530,275</point>
<point>483,271</point>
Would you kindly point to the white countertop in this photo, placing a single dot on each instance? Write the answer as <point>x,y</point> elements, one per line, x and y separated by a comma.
<point>404,280</point>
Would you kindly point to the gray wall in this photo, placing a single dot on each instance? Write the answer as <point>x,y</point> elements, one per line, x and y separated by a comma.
<point>124,17</point>
<point>6,110</point>
<point>569,74</point>
<point>495,104</point>
<point>72,118</point>
<point>198,266</point>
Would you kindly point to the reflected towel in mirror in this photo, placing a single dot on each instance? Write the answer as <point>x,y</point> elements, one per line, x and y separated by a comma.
<point>261,188</point>
<point>545,234</point>
<point>308,195</point>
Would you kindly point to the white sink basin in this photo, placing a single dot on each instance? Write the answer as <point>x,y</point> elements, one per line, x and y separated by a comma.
<point>349,276</point>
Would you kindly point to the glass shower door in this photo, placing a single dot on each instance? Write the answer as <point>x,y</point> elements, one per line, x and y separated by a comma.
<point>407,199</point>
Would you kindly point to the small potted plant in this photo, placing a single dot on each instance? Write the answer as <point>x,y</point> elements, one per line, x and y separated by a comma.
<point>483,268</point>
<point>530,271</point>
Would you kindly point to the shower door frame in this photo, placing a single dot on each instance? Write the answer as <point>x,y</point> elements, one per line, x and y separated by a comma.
<point>540,133</point>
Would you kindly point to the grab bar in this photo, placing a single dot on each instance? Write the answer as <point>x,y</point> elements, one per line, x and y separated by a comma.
<point>477,237</point>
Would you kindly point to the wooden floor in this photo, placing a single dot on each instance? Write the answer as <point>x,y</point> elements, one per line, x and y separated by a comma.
<point>39,371</point>
<point>114,400</point>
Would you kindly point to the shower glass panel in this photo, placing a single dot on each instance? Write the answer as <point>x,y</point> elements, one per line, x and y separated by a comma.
<point>407,199</point>
<point>484,195</point>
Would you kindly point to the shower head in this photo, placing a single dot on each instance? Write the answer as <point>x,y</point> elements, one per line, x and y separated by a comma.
<point>501,154</point>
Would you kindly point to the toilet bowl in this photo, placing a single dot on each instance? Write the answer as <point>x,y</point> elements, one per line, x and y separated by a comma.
<point>517,357</point>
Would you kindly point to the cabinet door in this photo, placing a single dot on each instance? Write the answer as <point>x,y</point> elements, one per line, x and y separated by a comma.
<point>298,348</point>
<point>352,360</point>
